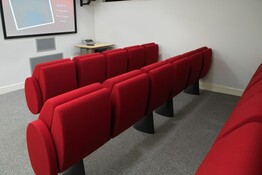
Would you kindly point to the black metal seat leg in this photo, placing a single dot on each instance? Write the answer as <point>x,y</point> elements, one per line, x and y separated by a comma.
<point>193,89</point>
<point>76,169</point>
<point>166,109</point>
<point>146,124</point>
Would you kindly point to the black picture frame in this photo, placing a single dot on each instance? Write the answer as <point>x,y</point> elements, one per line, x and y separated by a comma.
<point>6,23</point>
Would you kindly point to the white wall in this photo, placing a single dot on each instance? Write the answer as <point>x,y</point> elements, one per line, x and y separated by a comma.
<point>15,53</point>
<point>232,28</point>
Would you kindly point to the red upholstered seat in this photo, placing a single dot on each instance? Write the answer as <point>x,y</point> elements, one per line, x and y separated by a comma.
<point>175,58</point>
<point>257,77</point>
<point>248,111</point>
<point>207,59</point>
<point>238,153</point>
<point>151,53</point>
<point>41,149</point>
<point>251,91</point>
<point>181,71</point>
<point>91,68</point>
<point>48,80</point>
<point>160,75</point>
<point>195,68</point>
<point>70,127</point>
<point>192,52</point>
<point>136,57</point>
<point>129,93</point>
<point>116,62</point>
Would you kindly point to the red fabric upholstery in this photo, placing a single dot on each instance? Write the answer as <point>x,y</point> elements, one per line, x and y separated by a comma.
<point>69,128</point>
<point>160,84</point>
<point>181,71</point>
<point>192,52</point>
<point>38,67</point>
<point>195,68</point>
<point>251,91</point>
<point>116,62</point>
<point>257,77</point>
<point>136,57</point>
<point>237,149</point>
<point>207,59</point>
<point>33,95</point>
<point>249,111</point>
<point>153,66</point>
<point>47,111</point>
<point>151,53</point>
<point>175,58</point>
<point>109,83</point>
<point>91,68</point>
<point>81,126</point>
<point>238,153</point>
<point>129,99</point>
<point>57,79</point>
<point>49,79</point>
<point>41,149</point>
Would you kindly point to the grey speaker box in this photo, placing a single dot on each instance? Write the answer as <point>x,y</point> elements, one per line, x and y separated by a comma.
<point>45,44</point>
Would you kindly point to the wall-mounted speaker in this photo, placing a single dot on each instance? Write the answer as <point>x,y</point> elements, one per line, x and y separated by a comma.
<point>45,44</point>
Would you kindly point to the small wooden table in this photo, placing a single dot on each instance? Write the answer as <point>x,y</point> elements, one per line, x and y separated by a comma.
<point>85,49</point>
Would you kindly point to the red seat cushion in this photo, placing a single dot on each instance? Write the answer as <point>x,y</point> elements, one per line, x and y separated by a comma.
<point>91,68</point>
<point>195,68</point>
<point>81,126</point>
<point>116,62</point>
<point>160,84</point>
<point>38,67</point>
<point>175,58</point>
<point>238,153</point>
<point>129,99</point>
<point>255,79</point>
<point>57,79</point>
<point>151,53</point>
<point>33,95</point>
<point>41,149</point>
<point>251,91</point>
<point>47,111</point>
<point>181,71</point>
<point>49,79</point>
<point>136,57</point>
<point>192,52</point>
<point>246,112</point>
<point>109,83</point>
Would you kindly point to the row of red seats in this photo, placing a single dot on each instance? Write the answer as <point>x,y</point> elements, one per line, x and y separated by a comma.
<point>237,148</point>
<point>56,77</point>
<point>74,124</point>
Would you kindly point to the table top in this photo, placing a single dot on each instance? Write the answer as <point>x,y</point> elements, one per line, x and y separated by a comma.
<point>97,45</point>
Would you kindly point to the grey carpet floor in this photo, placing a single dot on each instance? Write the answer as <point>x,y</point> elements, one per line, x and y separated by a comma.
<point>177,148</point>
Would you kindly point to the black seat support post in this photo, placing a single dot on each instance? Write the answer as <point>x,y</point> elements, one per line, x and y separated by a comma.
<point>166,109</point>
<point>146,124</point>
<point>193,89</point>
<point>77,168</point>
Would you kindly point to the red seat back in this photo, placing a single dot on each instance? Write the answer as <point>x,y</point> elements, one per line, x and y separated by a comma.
<point>75,124</point>
<point>116,62</point>
<point>129,93</point>
<point>160,75</point>
<point>48,80</point>
<point>151,53</point>
<point>136,57</point>
<point>91,68</point>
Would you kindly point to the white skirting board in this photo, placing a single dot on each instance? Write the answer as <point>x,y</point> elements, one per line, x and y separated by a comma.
<point>221,89</point>
<point>12,87</point>
<point>204,86</point>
